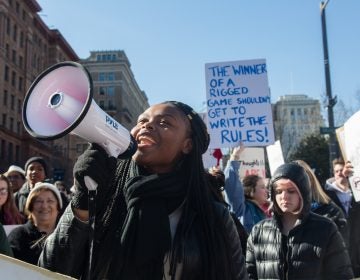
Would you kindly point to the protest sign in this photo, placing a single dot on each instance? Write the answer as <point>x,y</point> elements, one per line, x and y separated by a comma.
<point>341,140</point>
<point>352,148</point>
<point>15,269</point>
<point>9,228</point>
<point>238,104</point>
<point>252,161</point>
<point>275,156</point>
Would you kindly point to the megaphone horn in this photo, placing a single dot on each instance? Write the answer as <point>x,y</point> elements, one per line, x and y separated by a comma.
<point>60,102</point>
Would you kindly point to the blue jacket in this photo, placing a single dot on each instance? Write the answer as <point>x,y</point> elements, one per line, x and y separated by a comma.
<point>234,189</point>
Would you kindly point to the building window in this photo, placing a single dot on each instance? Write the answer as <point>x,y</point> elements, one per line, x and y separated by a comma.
<point>111,76</point>
<point>10,154</point>
<point>111,91</point>
<point>15,33</point>
<point>102,104</point>
<point>17,153</point>
<point>13,56</point>
<point>13,79</point>
<point>102,91</point>
<point>6,73</point>
<point>3,148</point>
<point>21,61</point>
<point>111,105</point>
<point>5,98</point>
<point>18,127</point>
<point>12,124</point>
<point>8,28</point>
<point>101,76</point>
<point>19,104</point>
<point>20,85</point>
<point>4,118</point>
<point>21,39</point>
<point>7,50</point>
<point>12,102</point>
<point>17,7</point>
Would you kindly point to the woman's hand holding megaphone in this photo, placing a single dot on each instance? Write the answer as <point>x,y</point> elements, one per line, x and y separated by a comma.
<point>99,166</point>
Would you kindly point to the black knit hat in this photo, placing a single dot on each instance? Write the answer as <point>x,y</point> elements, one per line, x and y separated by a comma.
<point>40,160</point>
<point>296,173</point>
<point>198,126</point>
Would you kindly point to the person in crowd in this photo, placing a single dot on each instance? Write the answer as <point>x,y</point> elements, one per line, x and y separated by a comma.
<point>322,204</point>
<point>42,207</point>
<point>256,195</point>
<point>295,243</point>
<point>16,176</point>
<point>65,193</point>
<point>9,214</point>
<point>5,248</point>
<point>233,188</point>
<point>156,217</point>
<point>35,171</point>
<point>339,190</point>
<point>217,182</point>
<point>247,207</point>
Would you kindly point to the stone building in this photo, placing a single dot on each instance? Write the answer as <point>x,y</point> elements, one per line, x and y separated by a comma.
<point>295,117</point>
<point>27,47</point>
<point>115,90</point>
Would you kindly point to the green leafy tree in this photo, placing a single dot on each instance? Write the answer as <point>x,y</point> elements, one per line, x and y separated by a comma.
<point>314,150</point>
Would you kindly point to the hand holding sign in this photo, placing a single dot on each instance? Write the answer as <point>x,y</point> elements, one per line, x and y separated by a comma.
<point>235,154</point>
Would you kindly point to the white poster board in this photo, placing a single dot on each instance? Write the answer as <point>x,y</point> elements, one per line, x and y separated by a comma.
<point>275,156</point>
<point>14,269</point>
<point>208,159</point>
<point>252,161</point>
<point>352,148</point>
<point>238,104</point>
<point>9,228</point>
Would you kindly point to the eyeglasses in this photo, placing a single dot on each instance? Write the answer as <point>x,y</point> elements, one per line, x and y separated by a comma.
<point>3,191</point>
<point>49,201</point>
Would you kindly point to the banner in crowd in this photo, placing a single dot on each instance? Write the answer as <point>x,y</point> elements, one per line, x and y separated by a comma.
<point>15,269</point>
<point>275,156</point>
<point>352,150</point>
<point>238,104</point>
<point>252,161</point>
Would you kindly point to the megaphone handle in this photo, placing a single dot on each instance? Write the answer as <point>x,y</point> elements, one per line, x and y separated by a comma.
<point>92,186</point>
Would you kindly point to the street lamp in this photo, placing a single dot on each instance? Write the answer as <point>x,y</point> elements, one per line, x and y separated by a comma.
<point>333,151</point>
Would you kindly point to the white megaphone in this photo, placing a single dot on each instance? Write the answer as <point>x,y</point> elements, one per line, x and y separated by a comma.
<point>60,101</point>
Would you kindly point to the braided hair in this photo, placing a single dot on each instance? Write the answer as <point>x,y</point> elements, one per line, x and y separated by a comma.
<point>214,255</point>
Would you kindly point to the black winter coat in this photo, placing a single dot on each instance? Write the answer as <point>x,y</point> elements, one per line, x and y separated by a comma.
<point>313,248</point>
<point>353,228</point>
<point>24,242</point>
<point>66,249</point>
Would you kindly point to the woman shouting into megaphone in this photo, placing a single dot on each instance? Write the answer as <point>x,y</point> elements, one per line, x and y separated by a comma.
<point>155,217</point>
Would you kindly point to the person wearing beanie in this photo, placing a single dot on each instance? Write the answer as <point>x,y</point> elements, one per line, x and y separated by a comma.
<point>295,243</point>
<point>43,207</point>
<point>35,171</point>
<point>16,176</point>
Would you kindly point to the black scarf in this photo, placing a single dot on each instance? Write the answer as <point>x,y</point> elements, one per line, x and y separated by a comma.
<point>145,235</point>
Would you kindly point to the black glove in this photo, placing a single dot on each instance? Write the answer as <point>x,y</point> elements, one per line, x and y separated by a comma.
<point>98,165</point>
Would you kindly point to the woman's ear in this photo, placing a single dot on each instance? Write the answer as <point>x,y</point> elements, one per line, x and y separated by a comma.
<point>187,147</point>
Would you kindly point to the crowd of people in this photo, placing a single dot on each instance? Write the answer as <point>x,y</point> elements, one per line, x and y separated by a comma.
<point>161,215</point>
